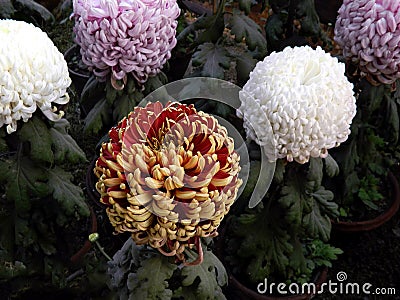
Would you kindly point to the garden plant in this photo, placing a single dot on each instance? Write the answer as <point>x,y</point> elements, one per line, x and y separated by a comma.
<point>214,145</point>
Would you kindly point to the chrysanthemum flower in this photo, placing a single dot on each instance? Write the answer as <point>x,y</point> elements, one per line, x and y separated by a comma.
<point>125,36</point>
<point>168,176</point>
<point>305,97</point>
<point>369,33</point>
<point>33,73</point>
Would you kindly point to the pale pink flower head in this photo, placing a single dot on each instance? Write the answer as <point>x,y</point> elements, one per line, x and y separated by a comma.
<point>369,33</point>
<point>125,36</point>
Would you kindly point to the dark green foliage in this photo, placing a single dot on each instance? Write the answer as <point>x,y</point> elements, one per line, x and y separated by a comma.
<point>65,147</point>
<point>106,106</point>
<point>245,63</point>
<point>272,240</point>
<point>211,46</point>
<point>245,5</point>
<point>246,29</point>
<point>370,150</point>
<point>213,59</point>
<point>292,23</point>
<point>25,10</point>
<point>39,199</point>
<point>36,134</point>
<point>139,272</point>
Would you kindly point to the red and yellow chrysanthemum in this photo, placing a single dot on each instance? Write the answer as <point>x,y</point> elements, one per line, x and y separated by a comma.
<point>168,175</point>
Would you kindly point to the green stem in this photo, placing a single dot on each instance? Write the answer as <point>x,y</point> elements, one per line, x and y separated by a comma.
<point>102,250</point>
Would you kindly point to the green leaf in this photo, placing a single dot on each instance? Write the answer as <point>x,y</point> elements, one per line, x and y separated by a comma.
<point>279,174</point>
<point>324,198</point>
<point>263,244</point>
<point>331,166</point>
<point>370,96</point>
<point>23,182</point>
<point>6,9</point>
<point>315,172</point>
<point>25,235</point>
<point>305,11</point>
<point>206,278</point>
<point>99,117</point>
<point>352,183</point>
<point>274,30</point>
<point>3,143</point>
<point>316,224</point>
<point>184,292</point>
<point>343,212</point>
<point>201,23</point>
<point>36,133</point>
<point>65,147</point>
<point>34,11</point>
<point>393,117</point>
<point>322,254</point>
<point>214,26</point>
<point>245,28</point>
<point>297,258</point>
<point>213,59</point>
<point>124,105</point>
<point>93,91</point>
<point>43,231</point>
<point>151,279</point>
<point>245,63</point>
<point>69,196</point>
<point>152,84</point>
<point>245,5</point>
<point>348,157</point>
<point>295,200</point>
<point>56,271</point>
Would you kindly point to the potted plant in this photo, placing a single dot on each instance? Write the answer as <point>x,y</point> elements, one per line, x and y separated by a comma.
<point>295,111</point>
<point>371,151</point>
<point>39,198</point>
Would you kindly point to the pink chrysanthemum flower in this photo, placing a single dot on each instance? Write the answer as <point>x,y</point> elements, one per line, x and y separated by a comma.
<point>369,33</point>
<point>125,36</point>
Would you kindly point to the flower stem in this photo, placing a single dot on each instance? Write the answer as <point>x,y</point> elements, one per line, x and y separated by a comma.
<point>93,238</point>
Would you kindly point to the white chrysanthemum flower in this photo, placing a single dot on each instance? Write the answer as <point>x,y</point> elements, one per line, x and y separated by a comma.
<point>33,73</point>
<point>305,97</point>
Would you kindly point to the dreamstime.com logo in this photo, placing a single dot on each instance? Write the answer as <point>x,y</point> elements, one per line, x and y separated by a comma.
<point>342,287</point>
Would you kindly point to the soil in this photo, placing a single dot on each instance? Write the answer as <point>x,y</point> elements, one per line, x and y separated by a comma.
<point>370,257</point>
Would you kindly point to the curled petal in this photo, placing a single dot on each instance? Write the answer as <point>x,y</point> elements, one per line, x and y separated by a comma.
<point>311,112</point>
<point>170,194</point>
<point>29,79</point>
<point>130,31</point>
<point>378,34</point>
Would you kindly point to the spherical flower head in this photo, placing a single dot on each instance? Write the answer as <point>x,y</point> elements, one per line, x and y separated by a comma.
<point>369,33</point>
<point>33,73</point>
<point>125,36</point>
<point>304,96</point>
<point>168,175</point>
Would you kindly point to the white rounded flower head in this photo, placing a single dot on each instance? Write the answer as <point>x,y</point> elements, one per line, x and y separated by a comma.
<point>301,100</point>
<point>125,36</point>
<point>33,73</point>
<point>369,33</point>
